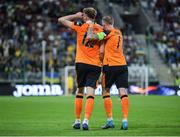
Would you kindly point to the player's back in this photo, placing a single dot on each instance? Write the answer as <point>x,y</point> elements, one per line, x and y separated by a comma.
<point>114,49</point>
<point>87,53</point>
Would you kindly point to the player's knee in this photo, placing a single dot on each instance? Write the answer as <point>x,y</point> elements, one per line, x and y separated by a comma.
<point>105,91</point>
<point>80,90</point>
<point>122,91</point>
<point>89,90</point>
<point>106,94</point>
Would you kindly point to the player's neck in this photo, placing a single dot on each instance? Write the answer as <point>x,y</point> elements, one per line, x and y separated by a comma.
<point>110,27</point>
<point>89,21</point>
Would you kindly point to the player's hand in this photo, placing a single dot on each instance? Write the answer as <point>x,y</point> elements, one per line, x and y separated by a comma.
<point>79,15</point>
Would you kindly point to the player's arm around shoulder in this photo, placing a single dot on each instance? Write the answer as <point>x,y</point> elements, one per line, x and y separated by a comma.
<point>101,35</point>
<point>95,28</point>
<point>67,20</point>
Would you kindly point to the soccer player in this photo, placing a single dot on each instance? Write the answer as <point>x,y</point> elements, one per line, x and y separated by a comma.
<point>115,70</point>
<point>88,64</point>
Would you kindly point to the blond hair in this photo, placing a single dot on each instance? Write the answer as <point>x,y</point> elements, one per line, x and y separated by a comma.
<point>90,12</point>
<point>108,19</point>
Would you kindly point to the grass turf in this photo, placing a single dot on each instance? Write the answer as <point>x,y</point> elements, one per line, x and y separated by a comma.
<point>53,116</point>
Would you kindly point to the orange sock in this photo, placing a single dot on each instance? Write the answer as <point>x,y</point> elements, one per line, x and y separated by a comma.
<point>125,106</point>
<point>89,106</point>
<point>78,105</point>
<point>108,105</point>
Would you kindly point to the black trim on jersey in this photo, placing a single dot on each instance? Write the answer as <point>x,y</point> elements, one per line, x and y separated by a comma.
<point>118,42</point>
<point>84,38</point>
<point>124,96</point>
<point>106,32</point>
<point>78,23</point>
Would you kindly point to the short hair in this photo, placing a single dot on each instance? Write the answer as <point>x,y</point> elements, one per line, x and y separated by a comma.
<point>90,12</point>
<point>108,19</point>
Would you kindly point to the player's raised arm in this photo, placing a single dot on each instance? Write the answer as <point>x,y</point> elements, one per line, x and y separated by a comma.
<point>67,20</point>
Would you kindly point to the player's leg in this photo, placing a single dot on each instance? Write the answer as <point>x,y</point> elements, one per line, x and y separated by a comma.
<point>91,79</point>
<point>107,103</point>
<point>125,107</point>
<point>78,102</point>
<point>88,107</point>
<point>122,85</point>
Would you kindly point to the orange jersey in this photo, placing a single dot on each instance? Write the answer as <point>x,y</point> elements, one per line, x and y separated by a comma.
<point>114,55</point>
<point>85,54</point>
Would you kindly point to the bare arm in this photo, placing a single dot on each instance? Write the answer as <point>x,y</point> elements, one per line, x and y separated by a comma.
<point>67,20</point>
<point>90,34</point>
<point>96,36</point>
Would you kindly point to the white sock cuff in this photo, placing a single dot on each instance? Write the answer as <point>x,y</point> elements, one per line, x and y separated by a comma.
<point>78,120</point>
<point>124,120</point>
<point>109,119</point>
<point>85,121</point>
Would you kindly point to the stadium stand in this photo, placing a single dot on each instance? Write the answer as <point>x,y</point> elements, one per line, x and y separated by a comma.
<point>26,23</point>
<point>167,41</point>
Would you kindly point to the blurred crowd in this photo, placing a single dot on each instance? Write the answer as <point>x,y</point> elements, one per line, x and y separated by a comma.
<point>125,3</point>
<point>168,41</point>
<point>24,24</point>
<point>134,50</point>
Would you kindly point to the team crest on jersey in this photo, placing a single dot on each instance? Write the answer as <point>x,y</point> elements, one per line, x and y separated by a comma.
<point>107,32</point>
<point>78,23</point>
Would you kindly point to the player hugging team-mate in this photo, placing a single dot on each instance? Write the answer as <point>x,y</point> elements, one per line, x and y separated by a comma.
<point>88,63</point>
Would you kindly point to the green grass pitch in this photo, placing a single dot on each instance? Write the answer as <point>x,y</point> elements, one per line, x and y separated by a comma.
<point>53,116</point>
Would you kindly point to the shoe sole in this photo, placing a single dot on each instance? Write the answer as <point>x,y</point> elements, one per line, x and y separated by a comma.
<point>76,128</point>
<point>124,128</point>
<point>107,127</point>
<point>85,128</point>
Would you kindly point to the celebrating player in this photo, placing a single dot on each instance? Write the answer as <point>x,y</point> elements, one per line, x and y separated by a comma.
<point>88,64</point>
<point>115,70</point>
